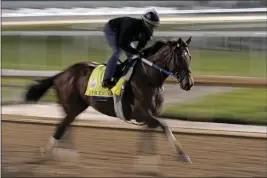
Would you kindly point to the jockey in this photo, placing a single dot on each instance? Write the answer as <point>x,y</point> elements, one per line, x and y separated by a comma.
<point>121,32</point>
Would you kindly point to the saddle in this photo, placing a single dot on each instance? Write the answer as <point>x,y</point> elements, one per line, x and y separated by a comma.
<point>122,68</point>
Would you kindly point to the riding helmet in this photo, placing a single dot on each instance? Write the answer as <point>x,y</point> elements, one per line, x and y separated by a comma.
<point>151,20</point>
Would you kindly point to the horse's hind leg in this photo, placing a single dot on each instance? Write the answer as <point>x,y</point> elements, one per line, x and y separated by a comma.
<point>72,108</point>
<point>59,133</point>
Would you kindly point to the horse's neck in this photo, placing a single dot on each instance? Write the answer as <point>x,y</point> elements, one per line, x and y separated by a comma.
<point>151,75</point>
<point>154,48</point>
<point>160,60</point>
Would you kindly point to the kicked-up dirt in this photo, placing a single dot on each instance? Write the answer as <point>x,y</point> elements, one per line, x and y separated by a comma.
<point>112,153</point>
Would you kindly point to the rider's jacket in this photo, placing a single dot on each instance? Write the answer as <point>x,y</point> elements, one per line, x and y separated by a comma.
<point>130,29</point>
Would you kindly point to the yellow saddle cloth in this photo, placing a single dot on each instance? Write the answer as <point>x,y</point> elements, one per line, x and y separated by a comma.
<point>94,87</point>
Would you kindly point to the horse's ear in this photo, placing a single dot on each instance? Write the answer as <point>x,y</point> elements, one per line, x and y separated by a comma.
<point>179,41</point>
<point>189,40</point>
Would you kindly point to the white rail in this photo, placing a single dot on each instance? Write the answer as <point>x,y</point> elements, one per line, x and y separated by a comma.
<point>27,73</point>
<point>158,34</point>
<point>31,12</point>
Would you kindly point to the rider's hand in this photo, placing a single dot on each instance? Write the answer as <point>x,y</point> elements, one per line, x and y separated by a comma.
<point>141,54</point>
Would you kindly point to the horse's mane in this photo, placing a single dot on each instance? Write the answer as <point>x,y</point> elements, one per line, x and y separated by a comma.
<point>151,50</point>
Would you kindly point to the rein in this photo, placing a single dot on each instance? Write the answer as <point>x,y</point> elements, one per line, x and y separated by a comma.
<point>155,66</point>
<point>158,68</point>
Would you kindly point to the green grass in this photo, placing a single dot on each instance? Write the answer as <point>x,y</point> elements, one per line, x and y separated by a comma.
<point>229,63</point>
<point>57,53</point>
<point>49,53</point>
<point>243,106</point>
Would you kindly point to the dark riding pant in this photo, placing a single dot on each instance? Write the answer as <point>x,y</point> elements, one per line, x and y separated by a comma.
<point>111,38</point>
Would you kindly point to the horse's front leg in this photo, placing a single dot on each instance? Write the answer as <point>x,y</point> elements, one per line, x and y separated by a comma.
<point>154,122</point>
<point>183,156</point>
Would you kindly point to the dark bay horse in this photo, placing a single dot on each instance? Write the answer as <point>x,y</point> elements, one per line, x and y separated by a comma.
<point>143,96</point>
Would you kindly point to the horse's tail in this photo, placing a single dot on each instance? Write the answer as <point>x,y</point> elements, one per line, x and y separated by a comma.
<point>36,91</point>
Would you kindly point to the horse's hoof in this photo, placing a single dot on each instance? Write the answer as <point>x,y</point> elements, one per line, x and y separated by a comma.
<point>185,158</point>
<point>45,153</point>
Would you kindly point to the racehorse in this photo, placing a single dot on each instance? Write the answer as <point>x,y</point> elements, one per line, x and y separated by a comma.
<point>142,98</point>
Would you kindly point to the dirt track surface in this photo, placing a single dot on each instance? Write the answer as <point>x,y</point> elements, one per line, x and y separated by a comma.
<point>109,153</point>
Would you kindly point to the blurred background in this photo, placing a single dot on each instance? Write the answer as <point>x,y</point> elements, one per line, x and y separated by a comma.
<point>40,38</point>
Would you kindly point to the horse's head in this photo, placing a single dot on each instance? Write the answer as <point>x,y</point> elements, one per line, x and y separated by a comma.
<point>180,63</point>
<point>177,58</point>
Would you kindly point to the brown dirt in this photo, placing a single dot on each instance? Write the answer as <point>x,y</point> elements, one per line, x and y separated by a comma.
<point>106,152</point>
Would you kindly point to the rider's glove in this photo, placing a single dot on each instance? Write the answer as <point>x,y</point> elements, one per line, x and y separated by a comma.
<point>141,55</point>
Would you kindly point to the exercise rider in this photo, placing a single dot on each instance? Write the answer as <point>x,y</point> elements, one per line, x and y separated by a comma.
<point>121,32</point>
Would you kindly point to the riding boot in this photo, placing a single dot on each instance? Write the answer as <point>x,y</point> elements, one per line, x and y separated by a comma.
<point>110,70</point>
<point>108,84</point>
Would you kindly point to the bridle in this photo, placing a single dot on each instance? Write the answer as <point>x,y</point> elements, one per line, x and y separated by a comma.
<point>179,75</point>
<point>184,71</point>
